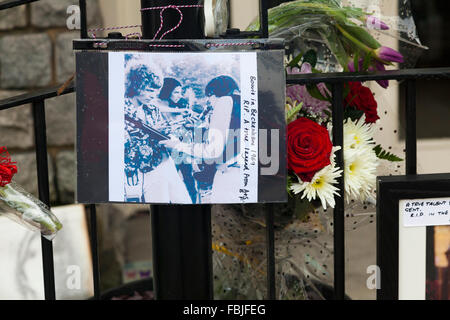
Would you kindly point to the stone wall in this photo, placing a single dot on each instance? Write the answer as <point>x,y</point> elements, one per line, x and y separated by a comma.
<point>36,52</point>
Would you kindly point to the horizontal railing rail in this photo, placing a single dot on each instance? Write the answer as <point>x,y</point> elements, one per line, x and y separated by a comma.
<point>8,4</point>
<point>404,74</point>
<point>30,97</point>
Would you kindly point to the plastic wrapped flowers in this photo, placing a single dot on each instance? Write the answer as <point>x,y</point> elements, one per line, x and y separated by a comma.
<point>313,171</point>
<point>20,206</point>
<point>344,30</point>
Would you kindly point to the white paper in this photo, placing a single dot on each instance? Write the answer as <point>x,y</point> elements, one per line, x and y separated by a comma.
<point>411,261</point>
<point>425,212</point>
<point>145,178</point>
<point>249,126</point>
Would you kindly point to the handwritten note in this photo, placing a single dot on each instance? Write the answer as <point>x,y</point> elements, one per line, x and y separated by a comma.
<point>425,212</point>
<point>248,192</point>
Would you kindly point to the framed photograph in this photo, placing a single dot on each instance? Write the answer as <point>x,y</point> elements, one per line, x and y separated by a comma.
<point>413,237</point>
<point>181,127</point>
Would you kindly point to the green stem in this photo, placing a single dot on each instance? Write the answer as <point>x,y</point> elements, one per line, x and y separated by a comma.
<point>358,43</point>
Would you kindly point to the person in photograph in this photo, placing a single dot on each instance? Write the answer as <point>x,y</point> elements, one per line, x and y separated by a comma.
<point>220,147</point>
<point>176,113</point>
<point>147,163</point>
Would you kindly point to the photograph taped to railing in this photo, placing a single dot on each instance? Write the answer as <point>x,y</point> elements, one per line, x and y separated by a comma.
<point>181,127</point>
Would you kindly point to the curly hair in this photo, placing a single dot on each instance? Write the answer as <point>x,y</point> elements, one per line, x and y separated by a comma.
<point>139,78</point>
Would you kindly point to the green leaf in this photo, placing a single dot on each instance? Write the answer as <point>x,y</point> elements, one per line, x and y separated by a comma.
<point>361,34</point>
<point>367,60</point>
<point>353,113</point>
<point>385,155</point>
<point>295,62</point>
<point>311,58</point>
<point>335,45</point>
<point>315,92</point>
<point>302,208</point>
<point>292,114</point>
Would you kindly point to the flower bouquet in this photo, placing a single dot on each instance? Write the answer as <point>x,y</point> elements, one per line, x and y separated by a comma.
<point>304,226</point>
<point>19,205</point>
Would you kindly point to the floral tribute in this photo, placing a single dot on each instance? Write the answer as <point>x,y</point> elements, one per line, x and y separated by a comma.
<point>313,173</point>
<point>19,205</point>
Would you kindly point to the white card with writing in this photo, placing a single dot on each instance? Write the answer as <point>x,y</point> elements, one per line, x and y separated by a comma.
<point>425,212</point>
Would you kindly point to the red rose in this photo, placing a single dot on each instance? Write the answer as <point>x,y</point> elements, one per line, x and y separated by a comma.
<point>7,168</point>
<point>309,148</point>
<point>362,99</point>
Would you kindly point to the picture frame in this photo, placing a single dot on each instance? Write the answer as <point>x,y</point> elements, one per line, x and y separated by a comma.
<point>407,256</point>
<point>216,137</point>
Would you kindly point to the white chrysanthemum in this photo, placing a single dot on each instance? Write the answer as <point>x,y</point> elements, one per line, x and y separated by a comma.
<point>358,134</point>
<point>360,173</point>
<point>321,186</point>
<point>360,160</point>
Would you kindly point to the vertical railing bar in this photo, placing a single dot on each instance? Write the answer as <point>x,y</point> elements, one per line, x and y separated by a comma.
<point>264,18</point>
<point>270,237</point>
<point>44,194</point>
<point>270,247</point>
<point>411,127</point>
<point>338,215</point>
<point>83,20</point>
<point>94,251</point>
<point>181,234</point>
<point>92,207</point>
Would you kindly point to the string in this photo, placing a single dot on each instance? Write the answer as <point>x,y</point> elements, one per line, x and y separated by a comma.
<point>112,28</point>
<point>161,16</point>
<point>164,8</point>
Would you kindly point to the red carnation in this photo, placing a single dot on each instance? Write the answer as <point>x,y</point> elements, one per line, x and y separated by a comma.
<point>7,168</point>
<point>361,98</point>
<point>309,148</point>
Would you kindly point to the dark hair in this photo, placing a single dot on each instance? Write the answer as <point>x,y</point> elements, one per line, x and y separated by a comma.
<point>221,86</point>
<point>169,85</point>
<point>139,78</point>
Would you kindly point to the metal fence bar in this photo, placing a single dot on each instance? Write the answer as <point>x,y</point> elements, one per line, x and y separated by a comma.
<point>44,194</point>
<point>264,18</point>
<point>411,128</point>
<point>14,3</point>
<point>338,214</point>
<point>405,74</point>
<point>94,251</point>
<point>83,20</point>
<point>270,232</point>
<point>182,249</point>
<point>92,207</point>
<point>31,97</point>
<point>270,245</point>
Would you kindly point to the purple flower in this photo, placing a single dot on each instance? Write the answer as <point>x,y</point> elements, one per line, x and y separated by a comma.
<point>378,67</point>
<point>389,55</point>
<point>300,93</point>
<point>375,23</point>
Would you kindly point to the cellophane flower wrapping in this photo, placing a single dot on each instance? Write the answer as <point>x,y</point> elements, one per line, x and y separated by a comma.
<point>22,207</point>
<point>304,229</point>
<point>318,24</point>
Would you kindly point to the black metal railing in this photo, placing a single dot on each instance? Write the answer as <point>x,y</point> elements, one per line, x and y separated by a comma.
<point>163,276</point>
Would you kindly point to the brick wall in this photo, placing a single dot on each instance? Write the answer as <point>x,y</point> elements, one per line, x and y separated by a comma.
<point>36,52</point>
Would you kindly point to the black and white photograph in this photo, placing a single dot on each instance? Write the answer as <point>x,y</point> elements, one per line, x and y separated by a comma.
<point>189,127</point>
